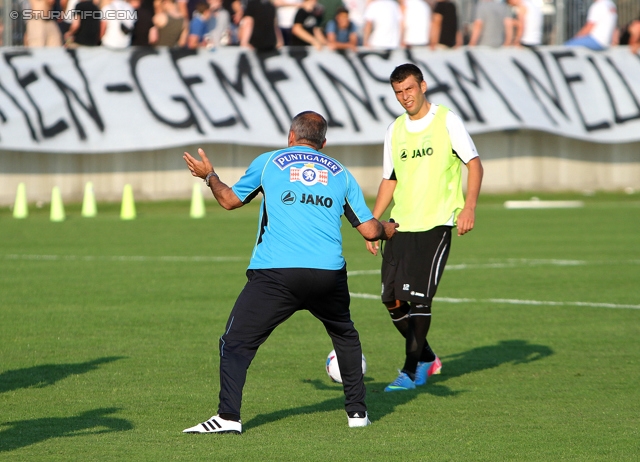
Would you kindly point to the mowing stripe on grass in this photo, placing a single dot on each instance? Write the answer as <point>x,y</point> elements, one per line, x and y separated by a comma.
<point>510,263</point>
<point>123,258</point>
<point>510,301</point>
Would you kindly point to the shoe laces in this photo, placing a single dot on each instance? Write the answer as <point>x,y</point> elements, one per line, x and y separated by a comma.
<point>400,378</point>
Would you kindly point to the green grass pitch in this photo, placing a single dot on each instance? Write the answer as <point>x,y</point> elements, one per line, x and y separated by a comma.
<point>109,342</point>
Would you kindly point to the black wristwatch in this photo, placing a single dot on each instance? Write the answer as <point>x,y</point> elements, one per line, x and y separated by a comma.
<point>208,177</point>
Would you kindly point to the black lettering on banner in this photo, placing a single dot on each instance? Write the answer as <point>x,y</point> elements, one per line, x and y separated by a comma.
<point>176,55</point>
<point>32,131</point>
<point>385,55</point>
<point>273,77</point>
<point>189,121</point>
<point>339,84</point>
<point>244,69</point>
<point>47,132</point>
<point>118,88</point>
<point>66,90</point>
<point>299,54</point>
<point>477,69</point>
<point>531,79</point>
<point>570,79</point>
<point>617,117</point>
<point>439,87</point>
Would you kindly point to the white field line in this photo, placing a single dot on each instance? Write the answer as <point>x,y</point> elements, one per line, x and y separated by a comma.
<point>523,262</point>
<point>508,301</point>
<point>510,263</point>
<point>123,258</point>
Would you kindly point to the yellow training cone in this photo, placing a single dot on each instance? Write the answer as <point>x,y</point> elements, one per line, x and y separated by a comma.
<point>197,202</point>
<point>57,208</point>
<point>89,202</point>
<point>20,208</point>
<point>128,208</point>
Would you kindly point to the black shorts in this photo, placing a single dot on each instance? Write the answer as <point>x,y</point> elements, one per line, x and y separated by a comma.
<point>271,296</point>
<point>413,263</point>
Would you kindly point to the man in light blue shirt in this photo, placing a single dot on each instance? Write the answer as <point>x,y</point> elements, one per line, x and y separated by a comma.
<point>297,260</point>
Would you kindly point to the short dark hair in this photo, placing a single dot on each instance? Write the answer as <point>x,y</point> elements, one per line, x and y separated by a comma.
<point>340,9</point>
<point>310,127</point>
<point>403,71</point>
<point>202,6</point>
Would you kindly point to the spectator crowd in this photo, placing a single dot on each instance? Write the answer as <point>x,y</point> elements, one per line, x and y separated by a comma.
<point>334,24</point>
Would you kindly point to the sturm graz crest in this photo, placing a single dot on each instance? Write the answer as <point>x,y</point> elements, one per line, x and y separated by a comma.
<point>308,175</point>
<point>288,197</point>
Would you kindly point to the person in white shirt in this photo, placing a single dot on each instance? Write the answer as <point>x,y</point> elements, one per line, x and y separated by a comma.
<point>417,22</point>
<point>383,25</point>
<point>119,26</point>
<point>356,14</point>
<point>598,31</point>
<point>528,23</point>
<point>286,13</point>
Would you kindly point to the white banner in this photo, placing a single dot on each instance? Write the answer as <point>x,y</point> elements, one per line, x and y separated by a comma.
<point>94,100</point>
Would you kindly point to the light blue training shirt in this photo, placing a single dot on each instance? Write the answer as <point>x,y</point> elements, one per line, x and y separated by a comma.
<point>305,193</point>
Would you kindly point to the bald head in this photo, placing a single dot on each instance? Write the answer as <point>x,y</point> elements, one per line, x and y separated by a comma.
<point>310,128</point>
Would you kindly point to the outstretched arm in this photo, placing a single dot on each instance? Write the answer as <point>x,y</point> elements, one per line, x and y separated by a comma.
<point>374,230</point>
<point>476,31</point>
<point>201,168</point>
<point>436,28</point>
<point>385,195</point>
<point>467,216</point>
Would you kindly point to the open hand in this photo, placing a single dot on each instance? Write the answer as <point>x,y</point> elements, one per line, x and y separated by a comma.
<point>199,168</point>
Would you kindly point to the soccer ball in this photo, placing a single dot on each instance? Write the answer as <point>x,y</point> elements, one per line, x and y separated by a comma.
<point>334,371</point>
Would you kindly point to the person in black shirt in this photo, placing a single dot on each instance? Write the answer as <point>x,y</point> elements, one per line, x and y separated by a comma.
<point>306,28</point>
<point>259,28</point>
<point>444,26</point>
<point>86,29</point>
<point>631,35</point>
<point>144,23</point>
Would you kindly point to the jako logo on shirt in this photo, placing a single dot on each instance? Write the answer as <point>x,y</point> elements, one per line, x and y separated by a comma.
<point>316,200</point>
<point>288,197</point>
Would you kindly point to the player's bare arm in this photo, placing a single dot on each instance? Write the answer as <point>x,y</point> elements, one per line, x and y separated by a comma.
<point>466,219</point>
<point>383,199</point>
<point>374,230</point>
<point>201,168</point>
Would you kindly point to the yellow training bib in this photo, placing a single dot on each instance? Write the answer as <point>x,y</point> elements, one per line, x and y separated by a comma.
<point>429,188</point>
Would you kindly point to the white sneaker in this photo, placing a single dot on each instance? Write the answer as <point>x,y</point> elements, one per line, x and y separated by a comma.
<point>358,419</point>
<point>216,425</point>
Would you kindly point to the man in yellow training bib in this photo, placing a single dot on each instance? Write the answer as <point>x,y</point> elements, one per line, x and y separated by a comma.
<point>424,150</point>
